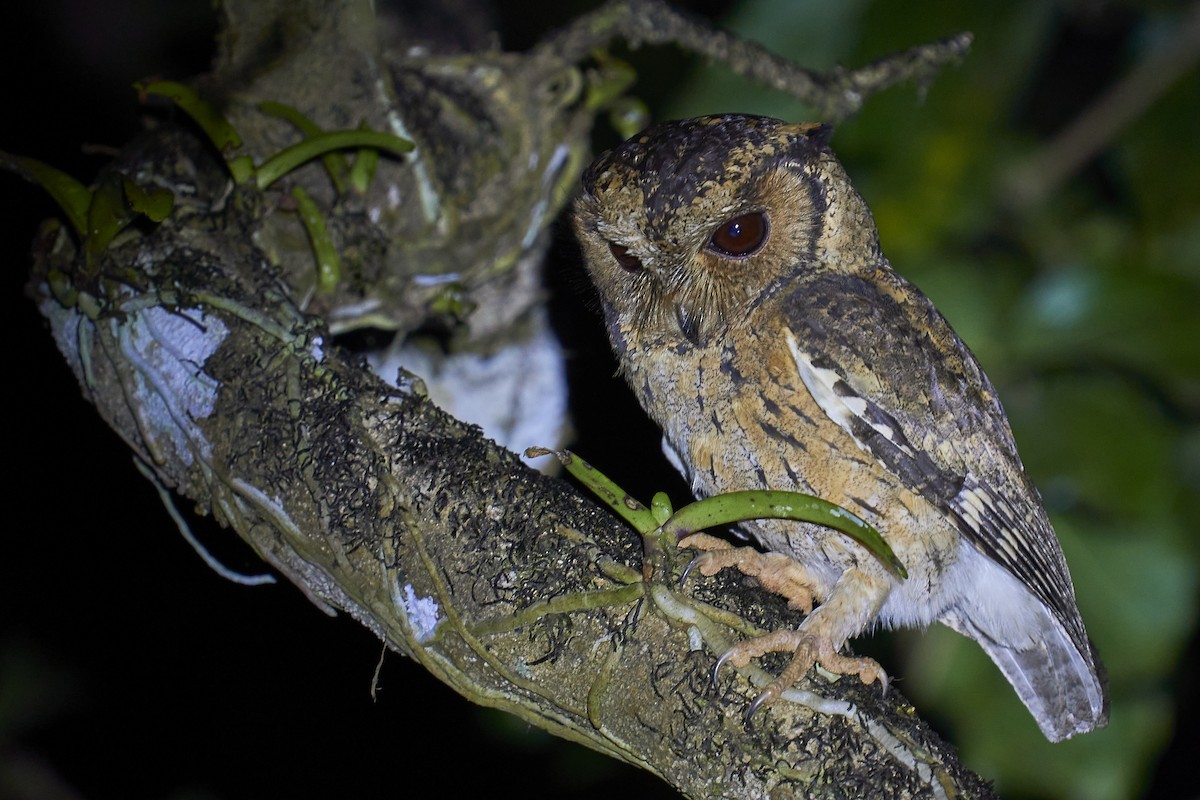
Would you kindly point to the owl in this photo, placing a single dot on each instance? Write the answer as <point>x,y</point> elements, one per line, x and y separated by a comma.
<point>760,325</point>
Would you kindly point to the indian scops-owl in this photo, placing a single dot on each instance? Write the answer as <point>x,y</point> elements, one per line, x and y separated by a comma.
<point>760,325</point>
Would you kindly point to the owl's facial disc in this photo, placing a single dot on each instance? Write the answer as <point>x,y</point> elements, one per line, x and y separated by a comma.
<point>688,221</point>
<point>700,298</point>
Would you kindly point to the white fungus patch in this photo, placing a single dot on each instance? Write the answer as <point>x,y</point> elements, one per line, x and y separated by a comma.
<point>422,613</point>
<point>65,325</point>
<point>168,350</point>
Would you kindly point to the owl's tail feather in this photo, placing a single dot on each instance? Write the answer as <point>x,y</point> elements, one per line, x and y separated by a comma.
<point>1062,687</point>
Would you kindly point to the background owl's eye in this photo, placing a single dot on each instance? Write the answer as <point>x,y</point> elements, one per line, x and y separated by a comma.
<point>740,236</point>
<point>625,258</point>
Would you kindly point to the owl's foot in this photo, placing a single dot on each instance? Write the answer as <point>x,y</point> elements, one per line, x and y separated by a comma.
<point>785,576</point>
<point>809,649</point>
<point>777,572</point>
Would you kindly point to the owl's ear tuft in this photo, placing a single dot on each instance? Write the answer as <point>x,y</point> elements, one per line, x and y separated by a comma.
<point>588,178</point>
<point>816,134</point>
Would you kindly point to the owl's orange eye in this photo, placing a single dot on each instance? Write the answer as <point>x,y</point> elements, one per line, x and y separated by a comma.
<point>625,258</point>
<point>740,236</point>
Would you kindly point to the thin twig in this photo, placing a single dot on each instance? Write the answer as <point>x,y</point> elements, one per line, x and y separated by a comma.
<point>837,94</point>
<point>1093,130</point>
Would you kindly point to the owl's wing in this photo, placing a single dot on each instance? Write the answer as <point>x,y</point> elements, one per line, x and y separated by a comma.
<point>884,364</point>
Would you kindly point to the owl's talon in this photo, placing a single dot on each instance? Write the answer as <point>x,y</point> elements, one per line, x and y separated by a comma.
<point>720,663</point>
<point>766,698</point>
<point>808,651</point>
<point>704,560</point>
<point>688,571</point>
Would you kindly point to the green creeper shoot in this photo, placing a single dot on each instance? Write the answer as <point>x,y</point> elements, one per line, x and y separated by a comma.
<point>363,171</point>
<point>627,507</point>
<point>218,129</point>
<point>628,115</point>
<point>335,162</point>
<point>609,81</point>
<point>317,143</point>
<point>452,301</point>
<point>660,507</point>
<point>606,88</point>
<point>115,203</point>
<point>329,263</point>
<point>291,157</point>
<point>724,509</point>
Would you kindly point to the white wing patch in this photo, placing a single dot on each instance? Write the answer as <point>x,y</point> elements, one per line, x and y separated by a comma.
<point>839,401</point>
<point>678,463</point>
<point>971,507</point>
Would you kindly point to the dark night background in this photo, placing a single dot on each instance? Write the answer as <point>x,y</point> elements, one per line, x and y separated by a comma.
<point>129,669</point>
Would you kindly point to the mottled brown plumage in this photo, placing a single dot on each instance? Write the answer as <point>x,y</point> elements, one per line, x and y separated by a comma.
<point>758,322</point>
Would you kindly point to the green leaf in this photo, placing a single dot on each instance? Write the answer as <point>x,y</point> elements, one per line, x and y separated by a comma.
<point>72,196</point>
<point>156,203</point>
<point>215,126</point>
<point>108,214</point>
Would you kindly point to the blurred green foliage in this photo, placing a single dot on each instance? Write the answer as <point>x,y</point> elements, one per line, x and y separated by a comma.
<point>1084,307</point>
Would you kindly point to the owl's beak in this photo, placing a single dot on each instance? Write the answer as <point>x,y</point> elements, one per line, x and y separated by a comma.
<point>690,323</point>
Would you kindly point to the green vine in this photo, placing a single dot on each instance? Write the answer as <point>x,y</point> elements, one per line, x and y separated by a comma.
<point>662,527</point>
